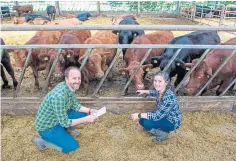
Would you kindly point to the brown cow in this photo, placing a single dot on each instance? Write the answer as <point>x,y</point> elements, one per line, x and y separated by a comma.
<point>41,37</point>
<point>100,57</point>
<point>230,12</point>
<point>70,16</point>
<point>208,66</point>
<point>23,9</point>
<point>18,20</point>
<point>133,56</point>
<point>70,21</point>
<point>67,56</point>
<point>39,21</point>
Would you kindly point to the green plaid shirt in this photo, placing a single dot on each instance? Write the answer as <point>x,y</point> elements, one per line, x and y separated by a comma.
<point>55,106</point>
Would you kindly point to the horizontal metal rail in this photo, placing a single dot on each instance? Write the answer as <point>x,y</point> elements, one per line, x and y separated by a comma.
<point>138,46</point>
<point>116,27</point>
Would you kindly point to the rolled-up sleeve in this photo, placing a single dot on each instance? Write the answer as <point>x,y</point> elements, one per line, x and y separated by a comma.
<point>153,93</point>
<point>61,112</point>
<point>164,108</point>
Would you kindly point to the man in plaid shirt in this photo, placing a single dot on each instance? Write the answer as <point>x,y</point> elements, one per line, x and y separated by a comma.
<point>167,116</point>
<point>59,112</point>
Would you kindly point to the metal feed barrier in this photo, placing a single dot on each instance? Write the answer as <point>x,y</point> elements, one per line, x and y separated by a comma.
<point>128,27</point>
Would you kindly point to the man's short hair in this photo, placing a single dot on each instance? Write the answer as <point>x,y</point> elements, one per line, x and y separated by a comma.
<point>68,70</point>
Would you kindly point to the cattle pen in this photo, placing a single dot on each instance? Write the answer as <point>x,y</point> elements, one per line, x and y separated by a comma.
<point>208,130</point>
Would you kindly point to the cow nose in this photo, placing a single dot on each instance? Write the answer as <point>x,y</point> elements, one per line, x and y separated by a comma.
<point>18,69</point>
<point>140,86</point>
<point>99,75</point>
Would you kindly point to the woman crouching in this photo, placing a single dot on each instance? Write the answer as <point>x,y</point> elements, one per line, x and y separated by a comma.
<point>167,116</point>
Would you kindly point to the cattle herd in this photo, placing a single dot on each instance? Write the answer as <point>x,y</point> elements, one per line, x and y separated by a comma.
<point>203,11</point>
<point>99,60</point>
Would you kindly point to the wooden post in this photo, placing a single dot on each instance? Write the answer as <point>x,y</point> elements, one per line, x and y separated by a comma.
<point>98,8</point>
<point>58,8</point>
<point>177,8</point>
<point>17,3</point>
<point>138,11</point>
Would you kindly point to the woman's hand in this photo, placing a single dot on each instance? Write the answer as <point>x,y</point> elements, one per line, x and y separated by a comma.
<point>142,92</point>
<point>134,116</point>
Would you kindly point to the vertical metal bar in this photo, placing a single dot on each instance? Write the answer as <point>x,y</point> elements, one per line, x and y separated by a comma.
<point>177,12</point>
<point>217,71</point>
<point>107,72</point>
<point>23,73</point>
<point>86,58</point>
<point>98,8</point>
<point>50,72</point>
<point>172,59</point>
<point>1,54</point>
<point>139,6</point>
<point>234,81</point>
<point>223,13</point>
<point>192,69</point>
<point>132,76</point>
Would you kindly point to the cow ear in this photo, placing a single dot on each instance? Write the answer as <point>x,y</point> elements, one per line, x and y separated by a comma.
<point>43,57</point>
<point>179,63</point>
<point>156,60</point>
<point>116,32</point>
<point>209,71</point>
<point>69,53</point>
<point>123,71</point>
<point>147,67</point>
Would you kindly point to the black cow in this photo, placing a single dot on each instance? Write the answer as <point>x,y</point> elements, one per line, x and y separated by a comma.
<point>202,10</point>
<point>6,63</point>
<point>84,16</point>
<point>32,16</point>
<point>5,10</point>
<point>127,36</point>
<point>185,55</point>
<point>51,11</point>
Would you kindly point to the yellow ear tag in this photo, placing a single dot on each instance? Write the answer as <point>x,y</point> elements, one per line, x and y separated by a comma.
<point>155,61</point>
<point>46,58</point>
<point>123,73</point>
<point>187,68</point>
<point>147,69</point>
<point>68,56</point>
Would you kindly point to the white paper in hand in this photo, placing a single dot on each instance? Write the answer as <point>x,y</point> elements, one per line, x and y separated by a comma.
<point>102,111</point>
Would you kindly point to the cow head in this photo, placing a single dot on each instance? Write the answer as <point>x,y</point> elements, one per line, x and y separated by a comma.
<point>94,64</point>
<point>138,78</point>
<point>198,78</point>
<point>20,56</point>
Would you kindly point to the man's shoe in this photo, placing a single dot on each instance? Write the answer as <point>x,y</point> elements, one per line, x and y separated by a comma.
<point>73,131</point>
<point>40,143</point>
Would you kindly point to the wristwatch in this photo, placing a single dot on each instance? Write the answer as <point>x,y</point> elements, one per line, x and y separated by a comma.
<point>139,115</point>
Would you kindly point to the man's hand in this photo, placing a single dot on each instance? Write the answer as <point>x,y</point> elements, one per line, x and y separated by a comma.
<point>94,112</point>
<point>134,116</point>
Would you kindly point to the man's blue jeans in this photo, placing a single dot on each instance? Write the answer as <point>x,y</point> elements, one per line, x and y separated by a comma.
<point>58,135</point>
